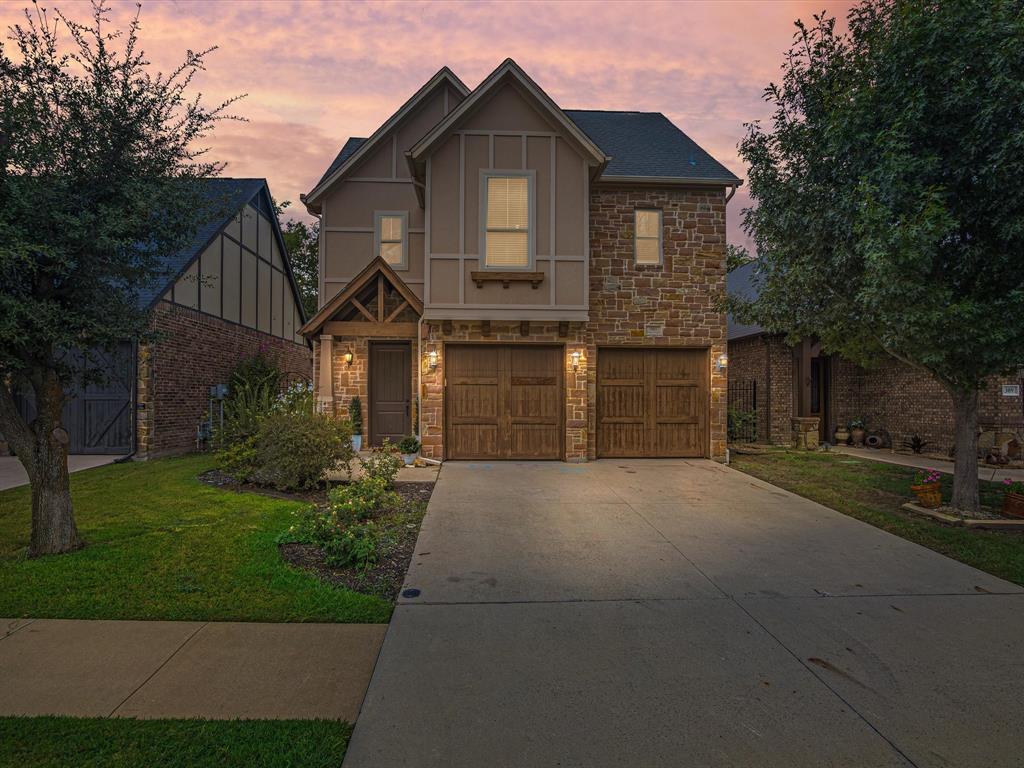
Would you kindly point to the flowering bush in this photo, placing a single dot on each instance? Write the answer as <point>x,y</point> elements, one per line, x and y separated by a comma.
<point>361,500</point>
<point>356,547</point>
<point>1013,486</point>
<point>927,477</point>
<point>382,463</point>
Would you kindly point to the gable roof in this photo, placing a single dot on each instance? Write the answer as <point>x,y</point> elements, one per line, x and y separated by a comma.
<point>230,195</point>
<point>648,145</point>
<point>346,152</point>
<point>507,69</point>
<point>742,283</point>
<point>376,267</point>
<point>342,164</point>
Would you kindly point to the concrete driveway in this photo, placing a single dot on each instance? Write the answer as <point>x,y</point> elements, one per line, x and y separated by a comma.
<point>12,474</point>
<point>680,613</point>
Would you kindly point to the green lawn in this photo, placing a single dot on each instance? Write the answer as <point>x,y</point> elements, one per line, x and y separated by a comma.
<point>162,545</point>
<point>873,492</point>
<point>57,742</point>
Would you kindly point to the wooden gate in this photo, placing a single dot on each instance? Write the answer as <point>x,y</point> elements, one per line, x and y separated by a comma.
<point>504,401</point>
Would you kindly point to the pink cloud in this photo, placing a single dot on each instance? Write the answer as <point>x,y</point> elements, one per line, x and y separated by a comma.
<point>317,73</point>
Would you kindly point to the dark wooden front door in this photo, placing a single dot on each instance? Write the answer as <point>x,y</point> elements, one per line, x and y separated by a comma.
<point>390,392</point>
<point>652,402</point>
<point>504,401</point>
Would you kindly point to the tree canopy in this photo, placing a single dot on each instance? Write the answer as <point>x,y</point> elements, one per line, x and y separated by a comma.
<point>889,190</point>
<point>100,162</point>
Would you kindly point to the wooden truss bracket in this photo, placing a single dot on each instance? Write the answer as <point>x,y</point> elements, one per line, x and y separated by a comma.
<point>506,278</point>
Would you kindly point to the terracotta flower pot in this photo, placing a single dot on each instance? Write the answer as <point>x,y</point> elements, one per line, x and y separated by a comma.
<point>928,495</point>
<point>1013,505</point>
<point>858,436</point>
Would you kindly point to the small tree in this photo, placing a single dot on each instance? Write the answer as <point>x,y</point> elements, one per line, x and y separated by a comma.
<point>890,196</point>
<point>99,183</point>
<point>303,243</point>
<point>355,415</point>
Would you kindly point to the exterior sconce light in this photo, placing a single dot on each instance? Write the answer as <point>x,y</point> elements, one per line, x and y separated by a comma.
<point>575,357</point>
<point>348,358</point>
<point>721,363</point>
<point>432,360</point>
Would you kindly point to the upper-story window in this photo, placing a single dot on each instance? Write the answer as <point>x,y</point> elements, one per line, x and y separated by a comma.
<point>507,218</point>
<point>391,234</point>
<point>648,236</point>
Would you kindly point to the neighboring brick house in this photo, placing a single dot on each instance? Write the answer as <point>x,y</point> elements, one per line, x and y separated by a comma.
<point>766,375</point>
<point>230,295</point>
<point>517,281</point>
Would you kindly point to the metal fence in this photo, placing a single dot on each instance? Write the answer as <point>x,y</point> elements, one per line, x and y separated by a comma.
<point>743,418</point>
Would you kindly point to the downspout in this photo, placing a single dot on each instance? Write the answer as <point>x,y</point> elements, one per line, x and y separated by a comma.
<point>731,193</point>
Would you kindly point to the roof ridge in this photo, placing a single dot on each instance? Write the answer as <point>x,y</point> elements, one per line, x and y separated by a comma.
<point>617,111</point>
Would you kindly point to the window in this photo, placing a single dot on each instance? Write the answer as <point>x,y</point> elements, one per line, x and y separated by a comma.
<point>508,220</point>
<point>390,236</point>
<point>648,236</point>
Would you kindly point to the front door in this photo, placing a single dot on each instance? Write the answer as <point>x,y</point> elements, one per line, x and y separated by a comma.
<point>390,391</point>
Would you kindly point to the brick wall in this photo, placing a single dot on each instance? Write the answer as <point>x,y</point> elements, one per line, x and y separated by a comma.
<point>175,373</point>
<point>673,304</point>
<point>892,396</point>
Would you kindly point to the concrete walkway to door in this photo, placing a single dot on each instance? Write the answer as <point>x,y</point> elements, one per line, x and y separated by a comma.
<point>12,473</point>
<point>681,613</point>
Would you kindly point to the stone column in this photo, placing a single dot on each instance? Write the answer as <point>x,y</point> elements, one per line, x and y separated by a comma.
<point>805,433</point>
<point>325,388</point>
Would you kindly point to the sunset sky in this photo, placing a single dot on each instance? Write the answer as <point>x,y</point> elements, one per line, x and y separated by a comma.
<point>319,72</point>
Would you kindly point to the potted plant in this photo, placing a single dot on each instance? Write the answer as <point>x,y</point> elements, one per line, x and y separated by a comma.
<point>857,432</point>
<point>409,447</point>
<point>355,415</point>
<point>1013,498</point>
<point>928,488</point>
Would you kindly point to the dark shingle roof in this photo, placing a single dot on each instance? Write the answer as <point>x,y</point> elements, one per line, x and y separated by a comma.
<point>230,195</point>
<point>346,152</point>
<point>741,283</point>
<point>647,144</point>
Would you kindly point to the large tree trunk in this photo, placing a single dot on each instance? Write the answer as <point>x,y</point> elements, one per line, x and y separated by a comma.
<point>965,441</point>
<point>42,449</point>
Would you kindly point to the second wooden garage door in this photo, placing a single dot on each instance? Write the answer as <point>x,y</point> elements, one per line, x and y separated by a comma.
<point>652,402</point>
<point>503,401</point>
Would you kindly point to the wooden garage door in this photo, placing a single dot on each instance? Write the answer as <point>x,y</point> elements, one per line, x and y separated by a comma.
<point>503,402</point>
<point>652,402</point>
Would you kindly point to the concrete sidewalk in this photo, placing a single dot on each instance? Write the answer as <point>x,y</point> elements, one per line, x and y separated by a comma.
<point>183,669</point>
<point>994,474</point>
<point>12,474</point>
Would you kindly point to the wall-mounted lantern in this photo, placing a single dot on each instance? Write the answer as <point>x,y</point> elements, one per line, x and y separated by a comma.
<point>721,363</point>
<point>432,360</point>
<point>348,357</point>
<point>575,358</point>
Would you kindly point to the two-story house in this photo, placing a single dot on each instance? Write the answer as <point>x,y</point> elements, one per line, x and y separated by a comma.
<point>513,280</point>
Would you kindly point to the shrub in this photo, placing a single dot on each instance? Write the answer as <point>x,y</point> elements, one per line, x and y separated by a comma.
<point>741,425</point>
<point>244,411</point>
<point>256,371</point>
<point>295,449</point>
<point>409,444</point>
<point>357,547</point>
<point>361,500</point>
<point>355,415</point>
<point>239,459</point>
<point>297,398</point>
<point>382,463</point>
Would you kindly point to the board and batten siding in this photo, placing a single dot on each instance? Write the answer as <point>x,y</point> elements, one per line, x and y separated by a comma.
<point>507,134</point>
<point>380,182</point>
<point>240,277</point>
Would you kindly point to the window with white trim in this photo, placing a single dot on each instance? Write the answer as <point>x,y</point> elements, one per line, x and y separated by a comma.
<point>508,221</point>
<point>647,236</point>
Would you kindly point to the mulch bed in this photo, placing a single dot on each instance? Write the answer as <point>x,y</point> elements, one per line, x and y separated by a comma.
<point>385,578</point>
<point>401,528</point>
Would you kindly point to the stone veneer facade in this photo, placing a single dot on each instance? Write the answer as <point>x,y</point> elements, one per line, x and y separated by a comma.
<point>175,373</point>
<point>673,304</point>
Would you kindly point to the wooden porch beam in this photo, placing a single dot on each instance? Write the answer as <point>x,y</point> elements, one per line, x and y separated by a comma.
<point>365,312</point>
<point>396,312</point>
<point>359,328</point>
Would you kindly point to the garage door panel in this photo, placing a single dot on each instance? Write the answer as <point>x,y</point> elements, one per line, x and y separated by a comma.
<point>531,440</point>
<point>474,401</point>
<point>652,402</point>
<point>473,441</point>
<point>511,395</point>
